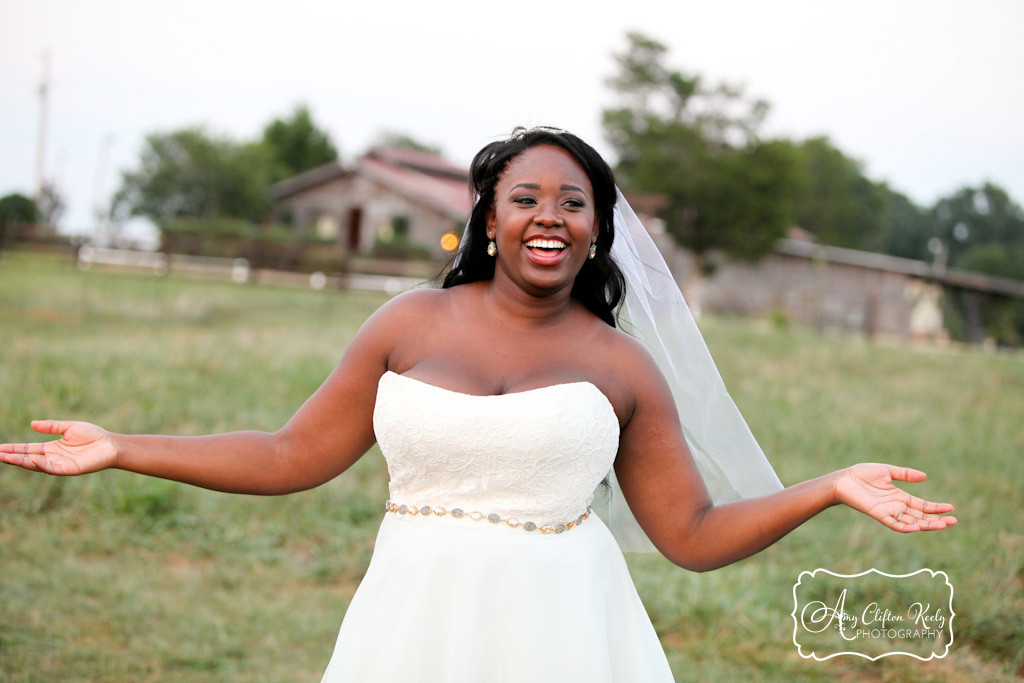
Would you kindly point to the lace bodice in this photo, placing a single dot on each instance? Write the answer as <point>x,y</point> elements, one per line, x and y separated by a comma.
<point>535,454</point>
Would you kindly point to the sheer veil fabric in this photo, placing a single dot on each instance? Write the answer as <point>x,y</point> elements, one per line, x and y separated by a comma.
<point>729,458</point>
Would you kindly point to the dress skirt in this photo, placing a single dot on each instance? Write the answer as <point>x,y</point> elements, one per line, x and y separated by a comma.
<point>462,601</point>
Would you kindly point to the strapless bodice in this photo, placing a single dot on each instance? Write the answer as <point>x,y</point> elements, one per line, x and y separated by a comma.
<point>536,454</point>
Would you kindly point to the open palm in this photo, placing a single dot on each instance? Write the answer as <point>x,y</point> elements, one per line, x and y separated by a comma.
<point>869,487</point>
<point>82,448</point>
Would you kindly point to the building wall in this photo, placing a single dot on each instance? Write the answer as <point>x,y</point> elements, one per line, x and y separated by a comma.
<point>823,294</point>
<point>334,205</point>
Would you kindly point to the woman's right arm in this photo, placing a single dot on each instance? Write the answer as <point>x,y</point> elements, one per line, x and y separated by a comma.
<point>331,430</point>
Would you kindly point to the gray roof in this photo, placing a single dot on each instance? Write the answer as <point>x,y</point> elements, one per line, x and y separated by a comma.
<point>308,179</point>
<point>961,279</point>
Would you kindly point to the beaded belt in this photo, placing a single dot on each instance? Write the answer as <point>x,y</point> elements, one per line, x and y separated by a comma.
<point>493,518</point>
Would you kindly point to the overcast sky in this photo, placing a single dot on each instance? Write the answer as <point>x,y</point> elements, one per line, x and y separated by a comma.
<point>928,94</point>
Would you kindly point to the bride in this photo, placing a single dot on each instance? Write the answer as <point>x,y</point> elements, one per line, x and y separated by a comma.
<point>501,402</point>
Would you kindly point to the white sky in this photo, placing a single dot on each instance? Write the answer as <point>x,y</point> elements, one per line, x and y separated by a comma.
<point>928,94</point>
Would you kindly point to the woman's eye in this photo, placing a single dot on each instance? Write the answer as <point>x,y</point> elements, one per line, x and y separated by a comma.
<point>523,200</point>
<point>574,203</point>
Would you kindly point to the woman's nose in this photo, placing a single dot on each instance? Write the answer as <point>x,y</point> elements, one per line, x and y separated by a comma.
<point>547,215</point>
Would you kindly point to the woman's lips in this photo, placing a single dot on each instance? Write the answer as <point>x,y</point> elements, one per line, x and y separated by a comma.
<point>546,252</point>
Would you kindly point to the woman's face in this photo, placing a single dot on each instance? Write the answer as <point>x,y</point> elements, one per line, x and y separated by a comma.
<point>543,219</point>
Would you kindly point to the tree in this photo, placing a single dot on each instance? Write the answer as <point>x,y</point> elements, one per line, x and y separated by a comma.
<point>975,216</point>
<point>297,144</point>
<point>908,228</point>
<point>188,173</point>
<point>982,229</point>
<point>994,259</point>
<point>391,138</point>
<point>15,209</point>
<point>726,190</point>
<point>836,202</point>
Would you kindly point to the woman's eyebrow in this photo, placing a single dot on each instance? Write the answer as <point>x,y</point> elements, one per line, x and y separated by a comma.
<point>535,186</point>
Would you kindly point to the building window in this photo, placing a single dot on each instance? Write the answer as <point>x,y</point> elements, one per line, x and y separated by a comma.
<point>399,227</point>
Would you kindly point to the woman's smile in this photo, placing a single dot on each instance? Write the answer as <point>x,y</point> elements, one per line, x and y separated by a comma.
<point>546,251</point>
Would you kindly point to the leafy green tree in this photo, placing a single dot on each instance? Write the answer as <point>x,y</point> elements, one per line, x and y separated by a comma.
<point>975,216</point>
<point>836,202</point>
<point>994,259</point>
<point>297,144</point>
<point>982,230</point>
<point>726,190</point>
<point>391,138</point>
<point>190,173</point>
<point>908,228</point>
<point>15,209</point>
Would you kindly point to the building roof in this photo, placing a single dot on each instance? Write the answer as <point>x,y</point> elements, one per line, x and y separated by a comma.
<point>949,276</point>
<point>308,179</point>
<point>443,188</point>
<point>420,177</point>
<point>418,160</point>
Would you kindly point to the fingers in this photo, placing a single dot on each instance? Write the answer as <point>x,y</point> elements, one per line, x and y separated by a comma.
<point>910,520</point>
<point>51,426</point>
<point>928,506</point>
<point>34,460</point>
<point>58,465</point>
<point>21,448</point>
<point>41,426</point>
<point>32,456</point>
<point>908,474</point>
<point>903,523</point>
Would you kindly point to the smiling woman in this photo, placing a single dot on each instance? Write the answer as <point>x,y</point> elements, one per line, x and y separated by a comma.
<point>501,402</point>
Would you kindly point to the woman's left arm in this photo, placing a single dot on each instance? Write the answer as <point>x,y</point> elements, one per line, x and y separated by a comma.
<point>667,495</point>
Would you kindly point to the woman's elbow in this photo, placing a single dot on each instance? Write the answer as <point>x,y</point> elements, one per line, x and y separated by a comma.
<point>694,562</point>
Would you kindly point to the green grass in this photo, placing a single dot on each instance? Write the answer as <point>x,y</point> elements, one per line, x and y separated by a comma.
<point>118,577</point>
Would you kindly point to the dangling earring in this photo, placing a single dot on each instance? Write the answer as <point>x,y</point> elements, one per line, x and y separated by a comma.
<point>492,248</point>
<point>593,251</point>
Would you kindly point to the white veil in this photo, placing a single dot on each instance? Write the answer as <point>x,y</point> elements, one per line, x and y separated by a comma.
<point>729,458</point>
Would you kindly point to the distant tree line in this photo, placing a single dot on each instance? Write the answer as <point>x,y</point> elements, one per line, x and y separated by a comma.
<point>730,193</point>
<point>191,173</point>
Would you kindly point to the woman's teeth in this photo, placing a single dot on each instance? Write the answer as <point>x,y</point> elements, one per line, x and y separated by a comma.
<point>538,243</point>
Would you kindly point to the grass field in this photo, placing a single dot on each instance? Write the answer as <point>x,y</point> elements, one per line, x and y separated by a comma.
<point>117,577</point>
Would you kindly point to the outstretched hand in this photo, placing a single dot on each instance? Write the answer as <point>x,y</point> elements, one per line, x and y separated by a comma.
<point>868,487</point>
<point>82,448</point>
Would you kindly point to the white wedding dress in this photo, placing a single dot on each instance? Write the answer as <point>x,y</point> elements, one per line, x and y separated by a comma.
<point>483,570</point>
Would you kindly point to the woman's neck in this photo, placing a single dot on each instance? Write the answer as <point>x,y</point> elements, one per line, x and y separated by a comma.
<point>511,304</point>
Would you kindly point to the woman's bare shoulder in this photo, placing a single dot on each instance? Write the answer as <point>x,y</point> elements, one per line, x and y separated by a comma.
<point>629,375</point>
<point>409,306</point>
<point>389,329</point>
<point>629,352</point>
<point>411,317</point>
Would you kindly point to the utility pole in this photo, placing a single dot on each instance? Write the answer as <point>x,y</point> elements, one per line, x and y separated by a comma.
<point>100,205</point>
<point>44,91</point>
